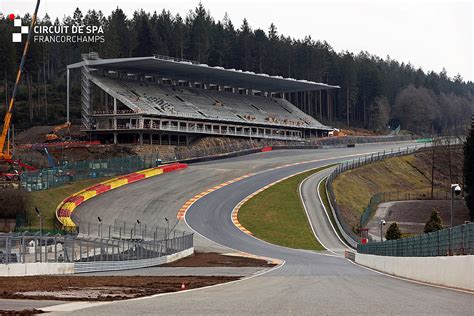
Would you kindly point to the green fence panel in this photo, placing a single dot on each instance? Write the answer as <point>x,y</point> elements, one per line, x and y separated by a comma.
<point>458,240</point>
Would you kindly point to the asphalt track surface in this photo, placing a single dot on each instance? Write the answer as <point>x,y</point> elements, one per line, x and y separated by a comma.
<point>307,283</point>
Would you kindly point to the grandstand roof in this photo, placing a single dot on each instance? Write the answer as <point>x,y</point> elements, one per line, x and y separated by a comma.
<point>192,71</point>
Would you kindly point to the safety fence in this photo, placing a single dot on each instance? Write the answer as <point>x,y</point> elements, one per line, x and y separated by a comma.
<point>27,248</point>
<point>383,197</point>
<point>122,229</point>
<point>458,240</point>
<point>350,232</point>
<point>79,170</point>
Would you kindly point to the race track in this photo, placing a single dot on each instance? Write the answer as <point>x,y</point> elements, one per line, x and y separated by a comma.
<point>308,283</point>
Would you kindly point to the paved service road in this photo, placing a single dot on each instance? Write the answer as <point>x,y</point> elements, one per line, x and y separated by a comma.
<point>308,283</point>
<point>319,220</point>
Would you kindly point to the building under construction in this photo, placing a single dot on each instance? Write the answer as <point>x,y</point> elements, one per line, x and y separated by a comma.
<point>164,100</point>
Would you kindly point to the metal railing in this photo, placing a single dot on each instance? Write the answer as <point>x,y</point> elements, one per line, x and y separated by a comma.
<point>27,247</point>
<point>351,232</point>
<point>458,240</point>
<point>124,230</point>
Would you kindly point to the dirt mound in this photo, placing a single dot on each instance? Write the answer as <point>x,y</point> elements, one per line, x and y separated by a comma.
<point>37,134</point>
<point>211,259</point>
<point>100,288</point>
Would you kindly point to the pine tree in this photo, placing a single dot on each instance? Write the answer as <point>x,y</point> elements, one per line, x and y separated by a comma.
<point>469,171</point>
<point>433,223</point>
<point>393,232</point>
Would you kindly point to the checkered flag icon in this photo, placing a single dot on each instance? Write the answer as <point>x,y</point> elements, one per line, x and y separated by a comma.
<point>17,37</point>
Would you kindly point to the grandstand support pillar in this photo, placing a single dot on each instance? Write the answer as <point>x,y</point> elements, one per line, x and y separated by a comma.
<point>115,105</point>
<point>327,105</point>
<point>115,138</point>
<point>141,138</point>
<point>67,95</point>
<point>151,139</point>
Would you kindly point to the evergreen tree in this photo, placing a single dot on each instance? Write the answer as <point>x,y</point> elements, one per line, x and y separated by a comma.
<point>469,170</point>
<point>393,232</point>
<point>371,87</point>
<point>433,223</point>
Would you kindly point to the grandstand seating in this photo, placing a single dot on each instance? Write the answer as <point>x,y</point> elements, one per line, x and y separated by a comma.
<point>180,101</point>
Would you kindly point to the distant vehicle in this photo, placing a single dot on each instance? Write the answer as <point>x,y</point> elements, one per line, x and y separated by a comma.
<point>336,133</point>
<point>13,175</point>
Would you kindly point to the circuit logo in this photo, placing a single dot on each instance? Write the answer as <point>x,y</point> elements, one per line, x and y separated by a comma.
<point>17,37</point>
<point>17,33</point>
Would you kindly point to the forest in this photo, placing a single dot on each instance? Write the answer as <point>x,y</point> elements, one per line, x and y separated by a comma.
<point>375,92</point>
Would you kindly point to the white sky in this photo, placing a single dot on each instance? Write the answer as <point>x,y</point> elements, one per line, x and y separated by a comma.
<point>428,34</point>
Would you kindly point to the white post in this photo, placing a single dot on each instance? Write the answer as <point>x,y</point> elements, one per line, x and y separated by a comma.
<point>67,95</point>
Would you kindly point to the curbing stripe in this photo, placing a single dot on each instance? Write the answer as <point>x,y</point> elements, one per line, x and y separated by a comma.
<point>182,211</point>
<point>67,206</point>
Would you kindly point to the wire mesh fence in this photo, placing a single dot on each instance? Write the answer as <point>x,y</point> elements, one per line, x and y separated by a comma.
<point>458,240</point>
<point>383,197</point>
<point>122,229</point>
<point>79,170</point>
<point>348,165</point>
<point>27,248</point>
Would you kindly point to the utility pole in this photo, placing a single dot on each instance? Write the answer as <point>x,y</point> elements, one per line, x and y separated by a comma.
<point>433,146</point>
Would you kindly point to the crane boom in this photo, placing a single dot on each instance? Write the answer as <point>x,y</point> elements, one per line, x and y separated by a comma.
<point>5,153</point>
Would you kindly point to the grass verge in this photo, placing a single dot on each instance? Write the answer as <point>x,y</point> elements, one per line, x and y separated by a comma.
<point>277,215</point>
<point>48,200</point>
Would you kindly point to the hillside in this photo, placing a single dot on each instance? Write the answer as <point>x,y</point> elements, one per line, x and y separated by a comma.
<point>407,174</point>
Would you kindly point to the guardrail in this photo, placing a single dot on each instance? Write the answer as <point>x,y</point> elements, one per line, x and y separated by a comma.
<point>458,240</point>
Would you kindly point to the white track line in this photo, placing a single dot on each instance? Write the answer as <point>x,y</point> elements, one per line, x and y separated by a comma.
<point>327,214</point>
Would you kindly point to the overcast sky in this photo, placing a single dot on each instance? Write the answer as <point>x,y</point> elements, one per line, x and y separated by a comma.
<point>428,34</point>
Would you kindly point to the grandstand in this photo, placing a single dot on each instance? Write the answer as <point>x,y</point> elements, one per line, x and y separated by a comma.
<point>164,100</point>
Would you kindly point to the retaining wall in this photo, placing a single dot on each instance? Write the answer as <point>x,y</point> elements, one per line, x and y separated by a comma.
<point>451,271</point>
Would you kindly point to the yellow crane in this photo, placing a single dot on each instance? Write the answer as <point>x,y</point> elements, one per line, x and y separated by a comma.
<point>5,153</point>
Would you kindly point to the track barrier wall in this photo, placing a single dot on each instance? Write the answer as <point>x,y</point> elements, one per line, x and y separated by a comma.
<point>454,271</point>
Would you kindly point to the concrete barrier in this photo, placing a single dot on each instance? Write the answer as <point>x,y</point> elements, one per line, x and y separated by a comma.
<point>36,268</point>
<point>452,271</point>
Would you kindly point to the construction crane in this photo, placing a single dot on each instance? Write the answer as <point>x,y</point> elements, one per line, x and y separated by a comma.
<point>53,136</point>
<point>5,154</point>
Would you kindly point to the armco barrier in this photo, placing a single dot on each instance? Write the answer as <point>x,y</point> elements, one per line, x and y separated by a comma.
<point>67,206</point>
